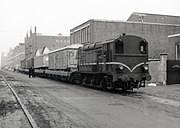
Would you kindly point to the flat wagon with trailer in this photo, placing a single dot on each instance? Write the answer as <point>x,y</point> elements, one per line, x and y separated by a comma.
<point>62,62</point>
<point>41,64</point>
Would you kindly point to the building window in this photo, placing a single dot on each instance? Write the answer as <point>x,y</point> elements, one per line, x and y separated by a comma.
<point>178,51</point>
<point>81,36</point>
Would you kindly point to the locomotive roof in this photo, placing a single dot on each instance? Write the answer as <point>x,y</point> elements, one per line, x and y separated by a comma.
<point>118,38</point>
<point>100,43</point>
<point>73,46</point>
<point>97,44</point>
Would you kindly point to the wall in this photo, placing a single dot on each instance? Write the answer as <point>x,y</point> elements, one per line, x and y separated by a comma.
<point>15,55</point>
<point>155,34</point>
<point>37,41</point>
<point>158,70</point>
<point>154,67</point>
<point>81,34</point>
<point>172,41</point>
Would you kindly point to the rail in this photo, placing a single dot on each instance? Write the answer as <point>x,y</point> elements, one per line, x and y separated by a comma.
<point>27,114</point>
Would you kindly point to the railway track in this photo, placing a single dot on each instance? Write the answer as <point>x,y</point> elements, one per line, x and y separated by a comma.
<point>5,79</point>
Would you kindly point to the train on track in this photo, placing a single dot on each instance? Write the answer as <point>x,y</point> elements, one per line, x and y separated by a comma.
<point>119,63</point>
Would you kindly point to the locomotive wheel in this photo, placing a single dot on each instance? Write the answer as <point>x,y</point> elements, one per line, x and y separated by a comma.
<point>75,78</point>
<point>96,81</point>
<point>71,78</point>
<point>84,81</point>
<point>104,84</point>
<point>124,86</point>
<point>131,85</point>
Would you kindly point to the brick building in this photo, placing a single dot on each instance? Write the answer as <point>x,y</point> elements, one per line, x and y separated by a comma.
<point>154,30</point>
<point>3,59</point>
<point>173,40</point>
<point>174,47</point>
<point>14,56</point>
<point>36,42</point>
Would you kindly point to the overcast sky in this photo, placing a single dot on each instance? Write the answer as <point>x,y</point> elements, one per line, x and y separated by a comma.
<point>59,16</point>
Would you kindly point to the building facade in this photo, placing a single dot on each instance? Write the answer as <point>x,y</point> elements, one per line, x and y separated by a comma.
<point>14,56</point>
<point>3,59</point>
<point>36,42</point>
<point>155,33</point>
<point>174,47</point>
<point>173,40</point>
<point>162,32</point>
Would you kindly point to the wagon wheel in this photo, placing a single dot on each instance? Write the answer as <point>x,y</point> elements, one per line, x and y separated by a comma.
<point>84,80</point>
<point>124,87</point>
<point>75,78</point>
<point>72,78</point>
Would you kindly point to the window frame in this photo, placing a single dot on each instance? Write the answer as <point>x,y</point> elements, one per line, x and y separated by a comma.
<point>177,52</point>
<point>143,44</point>
<point>120,51</point>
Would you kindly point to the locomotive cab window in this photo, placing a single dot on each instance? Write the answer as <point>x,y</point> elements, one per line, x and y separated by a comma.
<point>119,48</point>
<point>142,47</point>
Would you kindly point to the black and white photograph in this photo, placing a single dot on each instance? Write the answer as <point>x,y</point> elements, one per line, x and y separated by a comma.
<point>89,64</point>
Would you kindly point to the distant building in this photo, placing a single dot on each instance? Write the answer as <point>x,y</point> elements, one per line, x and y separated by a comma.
<point>3,59</point>
<point>153,27</point>
<point>14,56</point>
<point>36,42</point>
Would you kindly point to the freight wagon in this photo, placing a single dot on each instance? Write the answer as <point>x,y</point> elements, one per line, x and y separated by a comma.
<point>60,63</point>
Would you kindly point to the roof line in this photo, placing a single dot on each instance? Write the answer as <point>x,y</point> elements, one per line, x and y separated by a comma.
<point>155,14</point>
<point>136,22</point>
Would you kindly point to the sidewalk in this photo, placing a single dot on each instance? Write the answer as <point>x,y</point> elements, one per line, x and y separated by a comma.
<point>164,91</point>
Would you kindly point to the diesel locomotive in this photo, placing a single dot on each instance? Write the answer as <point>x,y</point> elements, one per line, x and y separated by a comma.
<point>116,63</point>
<point>119,63</point>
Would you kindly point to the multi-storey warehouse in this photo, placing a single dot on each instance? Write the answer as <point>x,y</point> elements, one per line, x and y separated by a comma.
<point>35,42</point>
<point>155,33</point>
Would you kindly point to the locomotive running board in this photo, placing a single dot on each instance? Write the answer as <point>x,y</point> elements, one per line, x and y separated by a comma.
<point>117,63</point>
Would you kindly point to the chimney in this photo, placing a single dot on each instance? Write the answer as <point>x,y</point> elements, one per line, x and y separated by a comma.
<point>35,29</point>
<point>30,32</point>
<point>27,34</point>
